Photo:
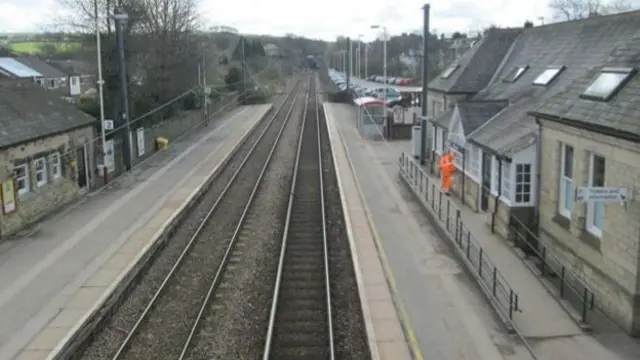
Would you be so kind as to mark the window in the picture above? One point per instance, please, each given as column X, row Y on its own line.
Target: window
column 495, row 176
column 548, row 75
column 523, row 184
column 52, row 83
column 476, row 158
column 595, row 210
column 565, row 202
column 515, row 73
column 506, row 181
column 54, row 165
column 458, row 158
column 434, row 137
column 449, row 71
column 41, row 171
column 438, row 140
column 74, row 81
column 443, row 140
column 607, row 84
column 21, row 176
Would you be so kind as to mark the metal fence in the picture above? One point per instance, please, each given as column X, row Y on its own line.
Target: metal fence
column 569, row 285
column 448, row 217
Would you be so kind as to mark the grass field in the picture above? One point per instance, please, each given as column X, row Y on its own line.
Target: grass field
column 34, row 47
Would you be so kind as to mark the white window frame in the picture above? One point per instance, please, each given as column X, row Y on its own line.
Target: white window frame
column 439, row 144
column 475, row 163
column 55, row 166
column 516, row 183
column 563, row 208
column 507, row 182
column 27, row 185
column 591, row 226
column 43, row 171
column 495, row 177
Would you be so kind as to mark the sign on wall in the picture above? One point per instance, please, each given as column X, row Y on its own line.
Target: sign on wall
column 601, row 194
column 140, row 138
column 109, row 157
column 8, row 197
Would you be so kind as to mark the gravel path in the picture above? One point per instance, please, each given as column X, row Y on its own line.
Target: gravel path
column 350, row 337
column 105, row 343
column 234, row 326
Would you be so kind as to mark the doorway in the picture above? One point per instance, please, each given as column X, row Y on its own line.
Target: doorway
column 81, row 161
column 485, row 188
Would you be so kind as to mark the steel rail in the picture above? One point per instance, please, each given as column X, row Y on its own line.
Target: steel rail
column 225, row 260
column 124, row 345
column 285, row 237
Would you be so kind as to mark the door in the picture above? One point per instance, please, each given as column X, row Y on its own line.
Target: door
column 81, row 161
column 485, row 189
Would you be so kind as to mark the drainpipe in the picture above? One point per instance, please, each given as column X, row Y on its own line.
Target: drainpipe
column 536, row 204
column 497, row 198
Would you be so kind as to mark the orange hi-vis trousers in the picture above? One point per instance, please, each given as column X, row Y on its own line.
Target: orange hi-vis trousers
column 447, row 168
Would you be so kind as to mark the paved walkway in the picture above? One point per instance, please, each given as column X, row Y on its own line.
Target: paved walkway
column 71, row 259
column 449, row 317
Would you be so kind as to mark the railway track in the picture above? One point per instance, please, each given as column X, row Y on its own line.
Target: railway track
column 300, row 323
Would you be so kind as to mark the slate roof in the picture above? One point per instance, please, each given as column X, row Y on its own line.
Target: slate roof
column 444, row 119
column 72, row 67
column 621, row 114
column 29, row 112
column 474, row 113
column 41, row 66
column 581, row 46
column 477, row 65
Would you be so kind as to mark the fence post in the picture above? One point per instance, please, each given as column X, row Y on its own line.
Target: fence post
column 440, row 206
column 458, row 235
column 448, row 213
column 510, row 304
column 495, row 280
column 468, row 244
column 585, row 295
column 480, row 262
column 562, row 283
column 433, row 197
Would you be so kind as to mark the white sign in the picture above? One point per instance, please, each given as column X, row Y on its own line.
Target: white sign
column 108, row 125
column 601, row 194
column 109, row 157
column 140, row 138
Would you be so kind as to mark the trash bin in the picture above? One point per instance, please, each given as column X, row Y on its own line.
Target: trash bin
column 161, row 143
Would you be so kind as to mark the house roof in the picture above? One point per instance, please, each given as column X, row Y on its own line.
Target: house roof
column 12, row 68
column 72, row 67
column 474, row 113
column 29, row 112
column 41, row 66
column 477, row 66
column 618, row 116
column 580, row 46
column 444, row 119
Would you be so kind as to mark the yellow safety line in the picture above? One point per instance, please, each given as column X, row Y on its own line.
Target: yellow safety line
column 404, row 318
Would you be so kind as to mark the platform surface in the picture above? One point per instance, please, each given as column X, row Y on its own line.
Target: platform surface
column 51, row 278
column 450, row 317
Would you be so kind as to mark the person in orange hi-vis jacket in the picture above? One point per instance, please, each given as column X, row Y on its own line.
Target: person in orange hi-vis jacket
column 447, row 168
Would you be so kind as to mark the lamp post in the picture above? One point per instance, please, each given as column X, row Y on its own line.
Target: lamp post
column 366, row 60
column 103, row 135
column 359, row 57
column 384, row 55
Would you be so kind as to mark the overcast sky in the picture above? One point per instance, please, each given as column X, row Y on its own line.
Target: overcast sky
column 324, row 19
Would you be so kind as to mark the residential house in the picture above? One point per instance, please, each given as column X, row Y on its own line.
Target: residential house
column 80, row 76
column 46, row 151
column 516, row 171
column 589, row 136
column 471, row 73
column 23, row 67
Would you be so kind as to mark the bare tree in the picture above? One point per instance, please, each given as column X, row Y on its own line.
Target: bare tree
column 582, row 9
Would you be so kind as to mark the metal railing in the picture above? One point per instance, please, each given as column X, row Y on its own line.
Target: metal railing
column 448, row 217
column 570, row 287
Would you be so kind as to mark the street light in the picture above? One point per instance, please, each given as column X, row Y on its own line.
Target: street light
column 358, row 57
column 101, row 95
column 384, row 55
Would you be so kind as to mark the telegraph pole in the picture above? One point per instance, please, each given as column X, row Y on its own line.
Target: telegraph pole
column 347, row 69
column 244, row 72
column 124, row 93
column 204, row 86
column 425, row 79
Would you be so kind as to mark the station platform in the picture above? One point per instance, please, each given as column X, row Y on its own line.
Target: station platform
column 54, row 278
column 450, row 317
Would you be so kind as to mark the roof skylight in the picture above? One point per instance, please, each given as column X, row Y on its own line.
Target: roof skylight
column 449, row 71
column 548, row 75
column 515, row 73
column 607, row 83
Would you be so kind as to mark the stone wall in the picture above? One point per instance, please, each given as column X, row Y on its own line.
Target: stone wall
column 609, row 265
column 43, row 200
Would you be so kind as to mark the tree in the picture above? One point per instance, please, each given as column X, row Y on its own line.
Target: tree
column 582, row 9
column 233, row 79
